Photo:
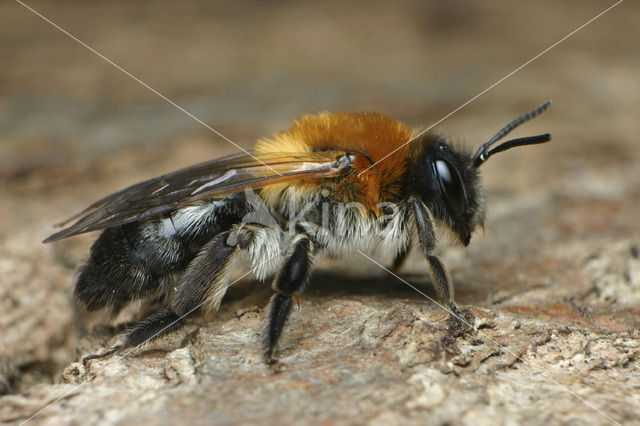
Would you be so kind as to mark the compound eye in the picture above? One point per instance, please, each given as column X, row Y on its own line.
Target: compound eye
column 451, row 187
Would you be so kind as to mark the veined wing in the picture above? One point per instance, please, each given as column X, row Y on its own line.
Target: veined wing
column 235, row 173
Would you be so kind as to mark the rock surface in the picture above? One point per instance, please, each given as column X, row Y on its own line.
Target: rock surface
column 553, row 283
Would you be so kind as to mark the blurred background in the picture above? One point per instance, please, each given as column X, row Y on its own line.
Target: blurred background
column 73, row 128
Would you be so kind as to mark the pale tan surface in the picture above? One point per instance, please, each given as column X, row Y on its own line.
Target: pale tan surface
column 553, row 278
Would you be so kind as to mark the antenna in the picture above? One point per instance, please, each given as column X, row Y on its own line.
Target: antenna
column 483, row 152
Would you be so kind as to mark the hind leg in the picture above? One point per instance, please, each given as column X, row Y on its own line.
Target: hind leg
column 203, row 281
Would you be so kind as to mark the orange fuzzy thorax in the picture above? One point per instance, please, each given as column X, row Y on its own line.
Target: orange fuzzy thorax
column 370, row 133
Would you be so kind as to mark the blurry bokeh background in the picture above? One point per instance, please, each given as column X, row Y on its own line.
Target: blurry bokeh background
column 249, row 68
column 74, row 128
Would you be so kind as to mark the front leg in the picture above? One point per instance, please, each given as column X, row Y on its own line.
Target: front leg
column 439, row 273
column 292, row 279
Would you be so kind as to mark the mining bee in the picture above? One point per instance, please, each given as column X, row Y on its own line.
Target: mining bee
column 332, row 184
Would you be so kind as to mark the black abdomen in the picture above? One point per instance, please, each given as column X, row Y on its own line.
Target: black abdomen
column 138, row 260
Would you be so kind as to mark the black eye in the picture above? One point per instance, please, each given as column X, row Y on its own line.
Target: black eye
column 451, row 187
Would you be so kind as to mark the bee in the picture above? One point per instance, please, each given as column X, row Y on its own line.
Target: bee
column 332, row 184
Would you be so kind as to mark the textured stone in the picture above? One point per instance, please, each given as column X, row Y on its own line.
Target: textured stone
column 553, row 283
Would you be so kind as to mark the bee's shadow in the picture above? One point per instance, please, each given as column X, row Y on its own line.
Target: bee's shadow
column 325, row 284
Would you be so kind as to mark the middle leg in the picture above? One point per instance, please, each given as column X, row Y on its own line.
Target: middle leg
column 292, row 279
column 400, row 258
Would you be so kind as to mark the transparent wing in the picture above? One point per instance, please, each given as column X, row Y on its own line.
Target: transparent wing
column 212, row 179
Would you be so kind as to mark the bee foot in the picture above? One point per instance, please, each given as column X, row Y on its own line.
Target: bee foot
column 460, row 321
column 268, row 357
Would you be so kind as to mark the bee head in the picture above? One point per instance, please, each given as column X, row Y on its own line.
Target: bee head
column 448, row 181
column 444, row 178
